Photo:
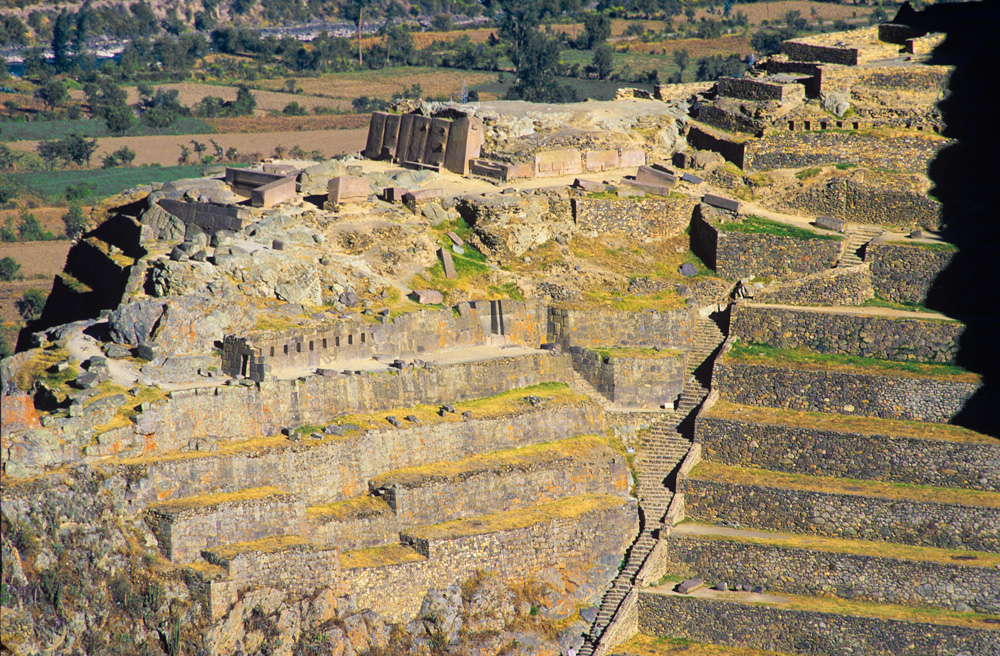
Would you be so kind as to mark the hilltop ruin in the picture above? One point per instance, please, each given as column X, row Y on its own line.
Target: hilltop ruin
column 527, row 379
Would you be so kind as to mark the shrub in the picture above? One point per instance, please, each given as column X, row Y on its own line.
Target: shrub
column 9, row 269
column 74, row 221
column 31, row 303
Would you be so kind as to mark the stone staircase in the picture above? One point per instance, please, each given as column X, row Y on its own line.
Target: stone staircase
column 857, row 236
column 663, row 447
column 581, row 385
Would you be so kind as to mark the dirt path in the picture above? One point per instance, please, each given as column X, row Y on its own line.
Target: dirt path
column 869, row 311
column 120, row 372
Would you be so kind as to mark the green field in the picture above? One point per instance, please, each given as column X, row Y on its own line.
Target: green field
column 101, row 182
column 92, row 128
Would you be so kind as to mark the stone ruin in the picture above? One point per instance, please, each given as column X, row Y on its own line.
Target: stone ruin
column 296, row 437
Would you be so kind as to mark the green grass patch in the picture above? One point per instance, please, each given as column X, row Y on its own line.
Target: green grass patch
column 94, row 128
column 507, row 290
column 805, row 174
column 96, row 184
column 931, row 246
column 863, row 425
column 711, row 471
column 751, row 353
column 753, row 224
column 844, row 166
column 858, row 547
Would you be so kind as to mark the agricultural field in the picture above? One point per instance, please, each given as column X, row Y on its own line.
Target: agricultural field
column 165, row 151
column 387, row 82
column 92, row 128
column 100, row 182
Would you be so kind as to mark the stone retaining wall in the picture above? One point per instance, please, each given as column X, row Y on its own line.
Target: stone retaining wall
column 183, row 534
column 356, row 532
column 848, row 576
column 840, row 286
column 239, row 412
column 905, row 273
column 632, row 381
column 865, row 202
column 943, row 463
column 645, row 219
column 735, row 255
column 860, row 394
column 341, row 468
column 256, row 355
column 920, row 523
column 797, row 150
column 397, row 590
column 867, row 335
column 617, row 328
column 805, row 632
column 443, row 499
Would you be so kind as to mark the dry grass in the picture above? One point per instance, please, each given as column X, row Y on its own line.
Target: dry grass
column 165, row 150
column 863, row 425
column 385, row 83
column 638, row 352
column 208, row 500
column 575, row 448
column 258, row 124
column 864, row 548
column 710, row 471
column 509, row 402
column 734, row 44
column 506, row 403
column 392, row 554
column 890, row 612
column 355, row 508
column 644, row 645
column 568, row 508
column 37, row 368
column 265, row 545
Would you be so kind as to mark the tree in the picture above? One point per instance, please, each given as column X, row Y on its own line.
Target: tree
column 51, row 93
column 7, row 158
column 441, row 23
column 517, row 23
column 119, row 118
column 596, row 30
column 60, row 42
column 683, row 59
column 768, row 42
column 74, row 221
column 125, row 155
column 31, row 304
column 536, row 73
column 245, row 102
column 185, row 154
column 30, row 229
column 9, row 269
column 603, row 61
column 716, row 66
